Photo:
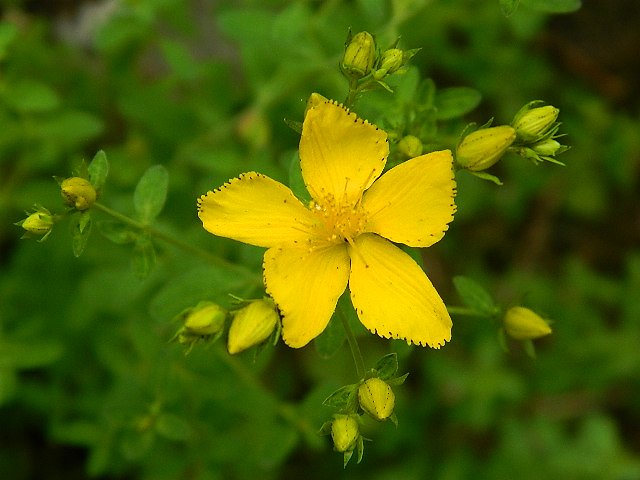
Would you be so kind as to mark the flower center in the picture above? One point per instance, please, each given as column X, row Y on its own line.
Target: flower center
column 338, row 222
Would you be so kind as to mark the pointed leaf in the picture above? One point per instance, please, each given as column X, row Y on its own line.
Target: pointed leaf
column 98, row 170
column 341, row 398
column 81, row 232
column 145, row 257
column 475, row 296
column 151, row 193
column 117, row 232
column 455, row 102
column 387, row 366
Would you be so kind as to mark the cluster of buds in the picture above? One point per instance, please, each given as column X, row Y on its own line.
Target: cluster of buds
column 372, row 397
column 38, row 223
column 536, row 133
column 251, row 325
column 362, row 58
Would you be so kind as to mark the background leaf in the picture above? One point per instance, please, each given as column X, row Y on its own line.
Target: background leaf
column 151, row 193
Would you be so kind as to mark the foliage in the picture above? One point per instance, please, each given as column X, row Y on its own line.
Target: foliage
column 177, row 97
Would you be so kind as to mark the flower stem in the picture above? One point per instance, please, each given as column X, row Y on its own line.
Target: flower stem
column 353, row 343
column 163, row 236
column 455, row 310
column 353, row 93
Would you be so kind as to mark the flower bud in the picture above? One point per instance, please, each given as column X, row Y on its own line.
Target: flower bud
column 205, row 319
column 531, row 124
column 252, row 325
column 483, row 148
column 344, row 432
column 78, row 192
column 410, row 146
column 359, row 55
column 548, row 147
column 392, row 60
column 524, row 324
column 38, row 223
column 377, row 398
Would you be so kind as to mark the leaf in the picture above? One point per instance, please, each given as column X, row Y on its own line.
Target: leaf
column 488, row 177
column 554, row 6
column 328, row 343
column 475, row 296
column 455, row 102
column 117, row 232
column 28, row 355
column 172, row 427
column 509, row 6
column 98, row 170
column 81, row 232
column 145, row 257
column 387, row 366
column 342, row 398
column 151, row 193
column 296, row 182
column 31, row 96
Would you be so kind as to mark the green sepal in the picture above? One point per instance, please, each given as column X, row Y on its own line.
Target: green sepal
column 98, row 170
column 325, row 429
column 474, row 296
column 344, row 399
column 360, row 448
column 347, row 456
column 387, row 366
column 294, row 125
column 151, row 193
column 488, row 177
column 81, row 229
column 394, row 382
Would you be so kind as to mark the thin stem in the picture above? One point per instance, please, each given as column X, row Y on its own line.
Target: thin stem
column 454, row 310
column 353, row 344
column 353, row 93
column 164, row 237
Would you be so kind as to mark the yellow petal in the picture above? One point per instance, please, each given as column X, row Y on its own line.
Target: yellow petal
column 413, row 202
column 340, row 154
column 392, row 295
column 257, row 210
column 306, row 286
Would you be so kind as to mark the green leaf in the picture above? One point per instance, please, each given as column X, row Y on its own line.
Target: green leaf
column 394, row 382
column 7, row 35
column 172, row 427
column 31, row 96
column 296, row 182
column 475, row 296
column 151, row 193
column 387, row 366
column 554, row 6
column 509, row 6
column 343, row 398
column 28, row 355
column 117, row 232
column 488, row 177
column 81, row 232
column 145, row 257
column 455, row 102
column 98, row 170
column 328, row 343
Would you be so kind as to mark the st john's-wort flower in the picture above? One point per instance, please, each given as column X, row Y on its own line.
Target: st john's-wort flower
column 344, row 235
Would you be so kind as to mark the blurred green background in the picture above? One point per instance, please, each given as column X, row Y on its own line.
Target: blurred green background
column 90, row 386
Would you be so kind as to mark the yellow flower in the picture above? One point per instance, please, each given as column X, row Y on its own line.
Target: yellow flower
column 345, row 234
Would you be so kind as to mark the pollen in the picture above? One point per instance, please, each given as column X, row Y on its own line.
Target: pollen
column 337, row 222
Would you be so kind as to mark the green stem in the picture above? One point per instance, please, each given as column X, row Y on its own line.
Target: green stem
column 454, row 310
column 353, row 344
column 164, row 237
column 353, row 93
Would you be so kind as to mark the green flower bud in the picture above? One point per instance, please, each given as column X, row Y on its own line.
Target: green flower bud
column 376, row 398
column 483, row 148
column 548, row 147
column 392, row 60
column 205, row 319
column 410, row 146
column 38, row 223
column 531, row 124
column 78, row 192
column 252, row 325
column 524, row 324
column 344, row 432
column 359, row 55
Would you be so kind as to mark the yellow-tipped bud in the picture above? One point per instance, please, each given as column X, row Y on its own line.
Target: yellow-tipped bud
column 205, row 319
column 78, row 192
column 38, row 223
column 532, row 124
column 252, row 325
column 410, row 146
column 548, row 147
column 344, row 432
column 483, row 148
column 377, row 398
column 524, row 324
column 359, row 55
